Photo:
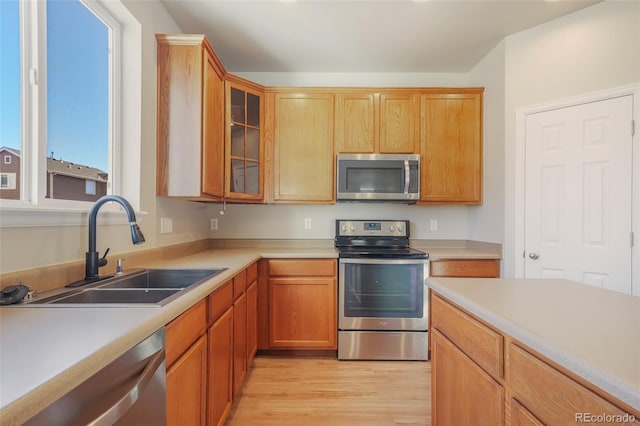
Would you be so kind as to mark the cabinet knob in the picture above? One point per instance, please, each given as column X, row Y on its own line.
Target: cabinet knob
column 534, row 255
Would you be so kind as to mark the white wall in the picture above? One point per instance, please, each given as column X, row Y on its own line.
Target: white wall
column 312, row 79
column 30, row 247
column 590, row 50
column 486, row 222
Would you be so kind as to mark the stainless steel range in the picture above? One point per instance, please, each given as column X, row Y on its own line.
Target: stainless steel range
column 382, row 293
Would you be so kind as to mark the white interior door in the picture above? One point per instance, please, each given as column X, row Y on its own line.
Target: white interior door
column 578, row 193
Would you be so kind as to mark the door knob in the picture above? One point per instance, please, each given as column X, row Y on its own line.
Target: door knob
column 534, row 255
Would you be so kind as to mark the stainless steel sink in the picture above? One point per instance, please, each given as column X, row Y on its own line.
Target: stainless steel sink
column 153, row 287
column 116, row 296
column 162, row 278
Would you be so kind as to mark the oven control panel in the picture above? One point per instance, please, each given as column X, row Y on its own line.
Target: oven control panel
column 377, row 228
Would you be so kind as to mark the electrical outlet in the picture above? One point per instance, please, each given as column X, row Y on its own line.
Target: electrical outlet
column 307, row 223
column 434, row 224
column 214, row 224
column 166, row 225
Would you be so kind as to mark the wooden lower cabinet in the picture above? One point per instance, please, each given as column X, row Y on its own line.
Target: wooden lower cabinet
column 519, row 387
column 252, row 322
column 208, row 351
column 186, row 363
column 551, row 396
column 465, row 268
column 302, row 308
column 239, row 342
column 520, row 416
column 220, row 374
column 461, row 392
column 187, row 387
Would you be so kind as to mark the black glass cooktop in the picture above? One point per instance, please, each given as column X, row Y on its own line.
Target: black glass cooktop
column 381, row 252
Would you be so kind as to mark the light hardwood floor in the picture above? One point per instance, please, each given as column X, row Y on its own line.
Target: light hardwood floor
column 324, row 391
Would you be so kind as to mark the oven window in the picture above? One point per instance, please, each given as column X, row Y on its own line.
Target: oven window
column 383, row 290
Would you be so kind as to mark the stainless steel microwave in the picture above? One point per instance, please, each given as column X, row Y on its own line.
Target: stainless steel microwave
column 378, row 177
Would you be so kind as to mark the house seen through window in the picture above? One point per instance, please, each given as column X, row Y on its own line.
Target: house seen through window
column 75, row 144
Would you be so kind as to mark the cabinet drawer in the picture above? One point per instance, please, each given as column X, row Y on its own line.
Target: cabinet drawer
column 478, row 268
column 252, row 273
column 239, row 284
column 550, row 395
column 184, row 330
column 220, row 301
column 483, row 345
column 302, row 268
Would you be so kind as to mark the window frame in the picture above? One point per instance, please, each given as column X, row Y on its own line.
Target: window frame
column 7, row 157
column 90, row 187
column 11, row 179
column 33, row 208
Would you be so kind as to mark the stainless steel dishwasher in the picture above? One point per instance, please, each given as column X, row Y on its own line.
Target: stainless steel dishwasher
column 129, row 391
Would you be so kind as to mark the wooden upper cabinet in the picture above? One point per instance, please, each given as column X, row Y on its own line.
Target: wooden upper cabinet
column 451, row 148
column 399, row 117
column 385, row 122
column 356, row 122
column 244, row 139
column 303, row 148
column 190, row 133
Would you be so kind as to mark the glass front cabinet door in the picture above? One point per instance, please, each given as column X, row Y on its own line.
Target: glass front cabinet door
column 244, row 140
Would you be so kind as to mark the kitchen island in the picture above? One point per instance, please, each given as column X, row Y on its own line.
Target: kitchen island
column 536, row 347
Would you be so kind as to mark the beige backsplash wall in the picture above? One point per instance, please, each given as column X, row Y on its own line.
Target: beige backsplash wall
column 287, row 221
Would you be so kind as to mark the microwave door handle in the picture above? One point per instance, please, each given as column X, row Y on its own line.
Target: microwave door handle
column 407, row 176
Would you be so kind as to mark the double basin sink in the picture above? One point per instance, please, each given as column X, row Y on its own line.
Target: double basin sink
column 154, row 287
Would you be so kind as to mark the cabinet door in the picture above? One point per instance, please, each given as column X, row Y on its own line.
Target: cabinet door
column 244, row 146
column 477, row 268
column 520, row 416
column 212, row 129
column 190, row 124
column 239, row 342
column 356, row 122
column 551, row 396
column 187, row 387
column 399, row 118
column 252, row 322
column 303, row 148
column 451, row 162
column 461, row 392
column 220, row 372
column 302, row 312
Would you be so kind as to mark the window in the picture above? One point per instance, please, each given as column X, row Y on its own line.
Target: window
column 62, row 102
column 90, row 187
column 7, row 181
column 7, row 159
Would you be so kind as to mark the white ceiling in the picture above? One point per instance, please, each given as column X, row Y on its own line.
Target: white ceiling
column 360, row 36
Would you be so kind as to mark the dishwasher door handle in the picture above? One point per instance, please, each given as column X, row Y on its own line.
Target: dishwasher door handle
column 117, row 410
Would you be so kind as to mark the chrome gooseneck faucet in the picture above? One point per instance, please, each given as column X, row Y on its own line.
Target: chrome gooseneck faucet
column 93, row 262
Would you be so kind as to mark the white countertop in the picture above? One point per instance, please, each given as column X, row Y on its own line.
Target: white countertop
column 47, row 351
column 592, row 332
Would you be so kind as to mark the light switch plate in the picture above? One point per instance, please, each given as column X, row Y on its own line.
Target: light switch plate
column 434, row 224
column 214, row 223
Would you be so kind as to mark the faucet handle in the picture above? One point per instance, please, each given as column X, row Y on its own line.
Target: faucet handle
column 119, row 269
column 103, row 260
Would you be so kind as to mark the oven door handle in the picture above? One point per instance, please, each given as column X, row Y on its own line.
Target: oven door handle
column 385, row 261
